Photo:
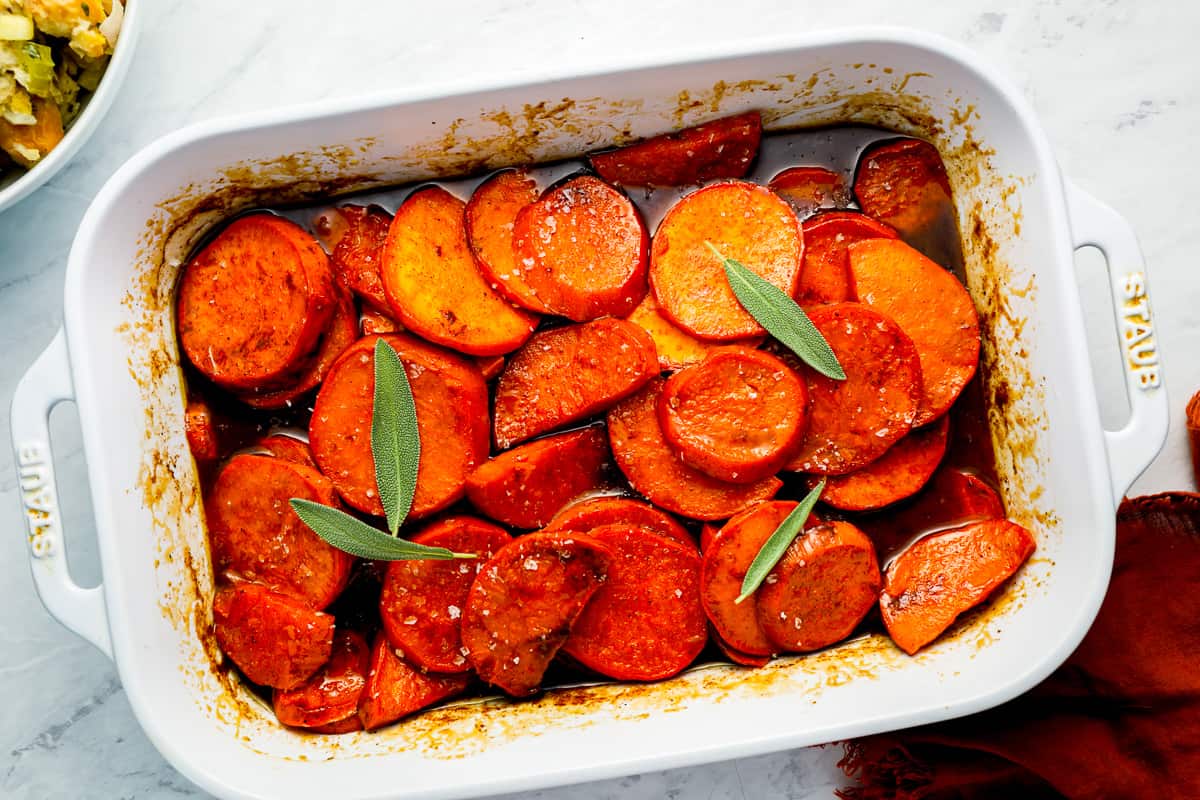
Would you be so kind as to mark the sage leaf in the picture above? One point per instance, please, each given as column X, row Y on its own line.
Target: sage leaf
column 357, row 538
column 395, row 439
column 781, row 316
column 778, row 543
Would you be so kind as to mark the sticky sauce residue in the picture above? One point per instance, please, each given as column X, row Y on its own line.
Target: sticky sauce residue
column 989, row 216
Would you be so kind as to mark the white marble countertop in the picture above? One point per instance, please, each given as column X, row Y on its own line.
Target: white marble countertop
column 1114, row 82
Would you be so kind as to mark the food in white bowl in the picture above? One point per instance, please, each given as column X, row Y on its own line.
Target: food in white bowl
column 53, row 53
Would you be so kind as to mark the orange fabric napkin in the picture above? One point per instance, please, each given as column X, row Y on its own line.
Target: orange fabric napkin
column 1120, row 719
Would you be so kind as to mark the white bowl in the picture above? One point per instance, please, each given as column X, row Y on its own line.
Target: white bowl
column 15, row 185
column 117, row 357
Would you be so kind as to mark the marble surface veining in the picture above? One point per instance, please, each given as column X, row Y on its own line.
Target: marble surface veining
column 1113, row 81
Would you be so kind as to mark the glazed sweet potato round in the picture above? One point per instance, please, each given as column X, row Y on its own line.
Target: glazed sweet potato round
column 738, row 416
column 653, row 468
column 255, row 535
column 743, row 221
column 422, row 601
column 253, row 303
column 598, row 511
column 434, row 285
column 899, row 473
column 855, row 421
column 342, row 331
column 822, row 588
column 582, row 250
column 452, row 419
column 646, row 622
column 491, row 214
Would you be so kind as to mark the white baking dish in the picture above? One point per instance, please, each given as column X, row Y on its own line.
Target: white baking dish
column 116, row 358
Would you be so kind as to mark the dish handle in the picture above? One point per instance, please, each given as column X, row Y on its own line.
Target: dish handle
column 1133, row 447
column 45, row 385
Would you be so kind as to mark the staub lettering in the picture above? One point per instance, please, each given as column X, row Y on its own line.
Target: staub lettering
column 1137, row 332
column 41, row 512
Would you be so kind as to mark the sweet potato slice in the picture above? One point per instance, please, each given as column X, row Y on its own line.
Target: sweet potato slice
column 825, row 584
column 903, row 183
column 931, row 583
column 395, row 688
column 566, row 374
column 646, row 622
column 653, row 468
column 524, row 601
column 931, row 306
column 825, row 277
column 331, row 695
column 255, row 536
column 422, row 601
column 708, row 532
column 598, row 511
column 723, row 148
column 725, row 562
column 491, row 214
column 809, row 189
column 899, row 473
column 452, row 405
column 358, row 252
column 743, row 221
column 201, row 431
column 435, row 288
column 275, row 640
column 738, row 416
column 676, row 347
column 853, row 422
column 342, row 331
column 254, row 301
column 582, row 250
column 953, row 498
column 527, row 485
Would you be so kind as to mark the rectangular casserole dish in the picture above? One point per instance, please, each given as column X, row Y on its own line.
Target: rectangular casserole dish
column 116, row 357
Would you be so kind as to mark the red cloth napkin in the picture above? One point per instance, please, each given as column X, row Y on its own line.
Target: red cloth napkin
column 1119, row 720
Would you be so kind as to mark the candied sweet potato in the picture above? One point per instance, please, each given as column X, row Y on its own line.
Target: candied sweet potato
column 646, row 622
column 723, row 148
column 433, row 283
column 254, row 301
column 931, row 583
column 739, row 415
column 899, row 473
column 854, row 421
column 642, row 453
column 931, row 306
column 563, row 375
column 524, row 601
column 491, row 214
column 452, row 419
column 581, row 250
column 743, row 221
column 525, row 487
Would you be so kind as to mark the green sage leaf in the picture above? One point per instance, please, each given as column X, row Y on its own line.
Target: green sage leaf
column 781, row 316
column 395, row 439
column 357, row 538
column 778, row 543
